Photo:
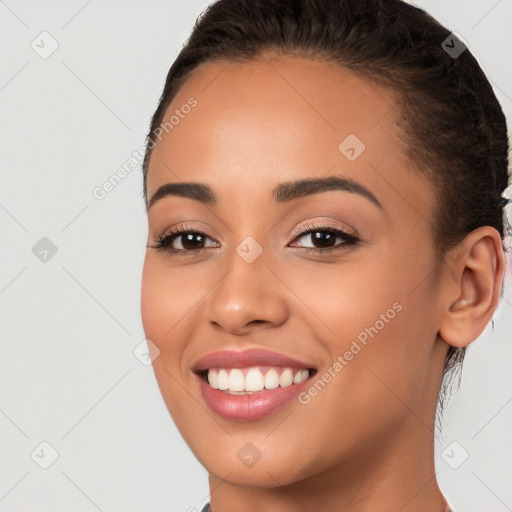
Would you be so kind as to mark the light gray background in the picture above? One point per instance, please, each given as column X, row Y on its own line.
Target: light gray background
column 68, row 374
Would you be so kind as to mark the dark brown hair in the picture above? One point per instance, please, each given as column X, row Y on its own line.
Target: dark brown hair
column 451, row 122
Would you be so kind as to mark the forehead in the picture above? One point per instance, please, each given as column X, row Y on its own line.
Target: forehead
column 279, row 118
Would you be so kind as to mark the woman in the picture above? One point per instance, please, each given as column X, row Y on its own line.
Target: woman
column 323, row 181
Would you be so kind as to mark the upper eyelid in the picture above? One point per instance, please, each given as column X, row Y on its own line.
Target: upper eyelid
column 325, row 226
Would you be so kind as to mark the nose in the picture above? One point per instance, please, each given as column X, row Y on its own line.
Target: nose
column 249, row 296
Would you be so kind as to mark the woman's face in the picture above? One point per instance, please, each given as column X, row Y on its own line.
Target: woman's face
column 360, row 321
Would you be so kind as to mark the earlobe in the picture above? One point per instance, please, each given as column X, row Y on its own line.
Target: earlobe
column 476, row 280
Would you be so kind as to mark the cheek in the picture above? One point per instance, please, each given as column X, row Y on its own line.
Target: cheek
column 373, row 318
column 167, row 299
column 172, row 310
column 344, row 302
column 164, row 315
column 154, row 301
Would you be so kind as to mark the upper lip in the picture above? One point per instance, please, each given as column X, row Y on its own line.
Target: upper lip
column 247, row 358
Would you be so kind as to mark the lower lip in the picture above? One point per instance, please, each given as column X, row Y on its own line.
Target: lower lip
column 251, row 406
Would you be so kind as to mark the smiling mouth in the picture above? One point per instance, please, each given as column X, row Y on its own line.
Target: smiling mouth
column 254, row 379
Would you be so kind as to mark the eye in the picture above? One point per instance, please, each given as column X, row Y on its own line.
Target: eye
column 324, row 237
column 182, row 240
column 186, row 241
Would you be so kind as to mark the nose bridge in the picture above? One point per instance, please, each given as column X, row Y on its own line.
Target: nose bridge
column 248, row 292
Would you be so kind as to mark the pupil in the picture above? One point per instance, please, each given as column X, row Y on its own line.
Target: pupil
column 189, row 239
column 324, row 236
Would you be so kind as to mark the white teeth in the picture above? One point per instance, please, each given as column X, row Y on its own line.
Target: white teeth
column 271, row 379
column 222, row 380
column 236, row 380
column 213, row 379
column 253, row 379
column 286, row 378
column 300, row 376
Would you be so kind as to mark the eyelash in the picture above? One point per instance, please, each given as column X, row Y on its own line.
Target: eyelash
column 164, row 242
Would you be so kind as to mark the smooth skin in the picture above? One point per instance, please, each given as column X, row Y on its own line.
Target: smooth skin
column 365, row 442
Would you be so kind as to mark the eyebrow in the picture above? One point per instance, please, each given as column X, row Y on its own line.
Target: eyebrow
column 282, row 193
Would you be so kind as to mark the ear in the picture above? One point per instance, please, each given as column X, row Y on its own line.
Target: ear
column 474, row 272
